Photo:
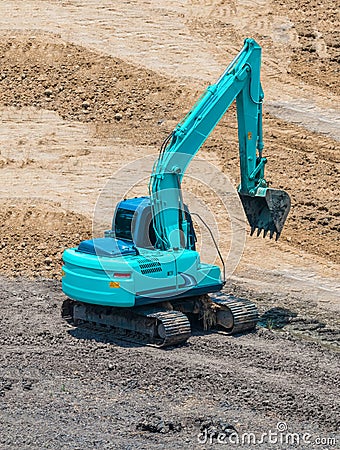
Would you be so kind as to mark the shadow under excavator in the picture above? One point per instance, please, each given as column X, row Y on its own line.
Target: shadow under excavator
column 85, row 332
column 276, row 318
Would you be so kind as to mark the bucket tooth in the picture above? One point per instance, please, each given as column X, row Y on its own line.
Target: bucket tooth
column 265, row 233
column 277, row 236
column 271, row 234
column 268, row 212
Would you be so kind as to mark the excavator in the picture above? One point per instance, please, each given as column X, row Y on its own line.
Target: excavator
column 144, row 279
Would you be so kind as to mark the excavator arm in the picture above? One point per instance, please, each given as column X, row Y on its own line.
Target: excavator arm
column 266, row 209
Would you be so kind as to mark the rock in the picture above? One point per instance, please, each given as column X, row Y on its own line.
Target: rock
column 27, row 385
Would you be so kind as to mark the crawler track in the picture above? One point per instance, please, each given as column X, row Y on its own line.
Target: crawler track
column 148, row 326
column 173, row 327
column 159, row 326
column 244, row 313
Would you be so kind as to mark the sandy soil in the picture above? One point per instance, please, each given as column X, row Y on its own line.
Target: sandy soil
column 88, row 87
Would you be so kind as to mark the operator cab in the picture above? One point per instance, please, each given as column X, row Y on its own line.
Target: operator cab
column 133, row 222
column 132, row 228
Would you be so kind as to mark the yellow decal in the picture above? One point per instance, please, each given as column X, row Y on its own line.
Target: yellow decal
column 114, row 284
column 249, row 135
column 62, row 273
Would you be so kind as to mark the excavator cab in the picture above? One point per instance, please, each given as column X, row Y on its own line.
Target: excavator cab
column 133, row 222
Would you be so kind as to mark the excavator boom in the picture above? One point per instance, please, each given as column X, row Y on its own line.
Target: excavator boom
column 266, row 209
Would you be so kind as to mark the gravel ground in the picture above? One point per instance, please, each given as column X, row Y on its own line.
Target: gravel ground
column 68, row 388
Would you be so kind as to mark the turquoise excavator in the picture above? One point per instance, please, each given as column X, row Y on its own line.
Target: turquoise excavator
column 144, row 279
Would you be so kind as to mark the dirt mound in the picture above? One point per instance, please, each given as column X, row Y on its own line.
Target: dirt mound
column 85, row 86
column 33, row 237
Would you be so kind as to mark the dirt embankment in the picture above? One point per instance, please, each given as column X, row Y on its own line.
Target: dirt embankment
column 316, row 55
column 85, row 86
column 33, row 237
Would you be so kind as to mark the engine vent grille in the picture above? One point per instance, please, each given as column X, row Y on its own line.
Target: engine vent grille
column 149, row 265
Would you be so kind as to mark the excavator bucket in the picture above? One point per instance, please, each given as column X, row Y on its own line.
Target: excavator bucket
column 267, row 213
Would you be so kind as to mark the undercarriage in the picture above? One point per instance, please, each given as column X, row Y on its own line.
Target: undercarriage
column 167, row 323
